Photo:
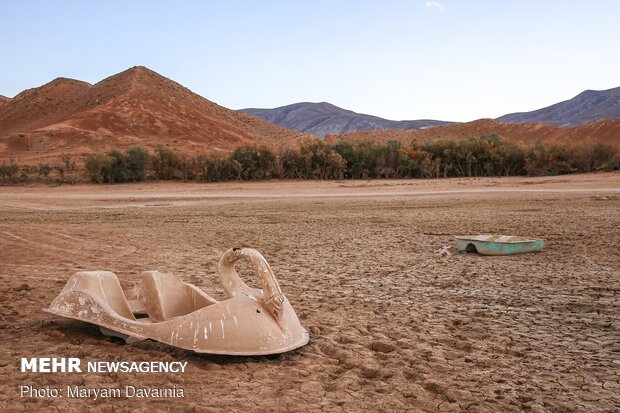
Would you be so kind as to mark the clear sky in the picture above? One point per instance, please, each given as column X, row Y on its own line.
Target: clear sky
column 446, row 59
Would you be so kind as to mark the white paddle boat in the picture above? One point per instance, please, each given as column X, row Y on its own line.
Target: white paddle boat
column 248, row 322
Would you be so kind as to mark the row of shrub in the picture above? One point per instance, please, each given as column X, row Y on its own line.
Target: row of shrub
column 475, row 156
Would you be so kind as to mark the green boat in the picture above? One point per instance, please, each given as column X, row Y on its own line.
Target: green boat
column 498, row 244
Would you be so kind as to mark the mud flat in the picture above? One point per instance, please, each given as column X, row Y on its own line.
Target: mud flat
column 393, row 326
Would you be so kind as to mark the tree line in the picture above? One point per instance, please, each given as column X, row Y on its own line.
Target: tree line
column 476, row 156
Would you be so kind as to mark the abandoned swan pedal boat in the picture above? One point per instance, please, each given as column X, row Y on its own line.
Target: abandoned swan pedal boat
column 498, row 244
column 249, row 322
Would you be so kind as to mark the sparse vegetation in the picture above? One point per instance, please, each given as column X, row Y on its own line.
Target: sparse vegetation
column 43, row 170
column 474, row 156
column 69, row 168
column 8, row 171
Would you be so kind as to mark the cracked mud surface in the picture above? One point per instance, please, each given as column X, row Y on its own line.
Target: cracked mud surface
column 393, row 327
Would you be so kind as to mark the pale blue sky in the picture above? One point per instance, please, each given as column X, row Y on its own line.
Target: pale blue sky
column 453, row 60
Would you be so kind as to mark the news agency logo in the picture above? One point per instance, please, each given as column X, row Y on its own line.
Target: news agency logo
column 74, row 365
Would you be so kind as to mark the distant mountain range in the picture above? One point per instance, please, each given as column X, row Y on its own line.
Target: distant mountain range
column 323, row 118
column 586, row 107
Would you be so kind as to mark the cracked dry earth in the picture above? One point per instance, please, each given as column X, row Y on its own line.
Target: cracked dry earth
column 393, row 326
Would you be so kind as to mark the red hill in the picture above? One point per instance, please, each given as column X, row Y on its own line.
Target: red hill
column 134, row 107
column 42, row 106
column 607, row 131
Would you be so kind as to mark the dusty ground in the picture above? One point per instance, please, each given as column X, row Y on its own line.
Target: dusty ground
column 393, row 326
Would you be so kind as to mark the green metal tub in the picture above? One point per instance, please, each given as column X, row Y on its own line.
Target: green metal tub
column 498, row 244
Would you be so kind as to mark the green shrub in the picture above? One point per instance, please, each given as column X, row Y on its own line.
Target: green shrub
column 165, row 163
column 138, row 160
column 256, row 162
column 215, row 168
column 98, row 167
column 8, row 171
column 43, row 170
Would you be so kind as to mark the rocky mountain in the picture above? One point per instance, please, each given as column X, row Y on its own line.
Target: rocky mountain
column 134, row 107
column 586, row 107
column 323, row 118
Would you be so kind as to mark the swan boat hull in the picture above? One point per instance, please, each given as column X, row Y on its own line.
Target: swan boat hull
column 250, row 322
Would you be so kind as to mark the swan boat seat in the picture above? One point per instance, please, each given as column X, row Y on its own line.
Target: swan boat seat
column 249, row 321
column 164, row 296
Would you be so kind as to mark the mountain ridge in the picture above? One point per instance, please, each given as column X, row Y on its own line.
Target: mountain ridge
column 324, row 118
column 586, row 107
